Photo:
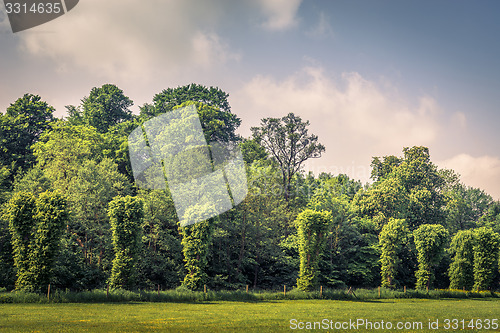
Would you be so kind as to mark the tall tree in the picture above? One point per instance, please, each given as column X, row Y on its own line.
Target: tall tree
column 104, row 107
column 486, row 251
column 288, row 142
column 21, row 127
column 312, row 227
column 36, row 225
column 125, row 216
column 196, row 239
column 392, row 237
column 430, row 240
column 461, row 270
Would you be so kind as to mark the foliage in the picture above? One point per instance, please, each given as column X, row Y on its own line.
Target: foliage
column 461, row 269
column 104, row 107
column 486, row 252
column 393, row 235
column 36, row 226
column 125, row 215
column 196, row 240
column 21, row 126
column 289, row 144
column 312, row 228
column 430, row 240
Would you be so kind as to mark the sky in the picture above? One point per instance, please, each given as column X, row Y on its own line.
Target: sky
column 371, row 77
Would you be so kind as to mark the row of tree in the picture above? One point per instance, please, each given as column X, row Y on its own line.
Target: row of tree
column 71, row 178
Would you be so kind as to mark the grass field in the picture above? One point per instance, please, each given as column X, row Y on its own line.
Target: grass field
column 268, row 316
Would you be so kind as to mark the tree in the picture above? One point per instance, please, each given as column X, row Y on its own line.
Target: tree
column 21, row 127
column 125, row 216
column 289, row 144
column 312, row 228
column 62, row 150
column 51, row 217
column 36, row 226
column 217, row 121
column 20, row 213
column 391, row 238
column 196, row 239
column 430, row 240
column 104, row 107
column 486, row 250
column 461, row 270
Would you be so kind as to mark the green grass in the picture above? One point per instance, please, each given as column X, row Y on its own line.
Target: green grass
column 183, row 295
column 253, row 316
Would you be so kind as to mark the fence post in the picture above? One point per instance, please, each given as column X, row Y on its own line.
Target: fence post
column 247, row 289
column 158, row 290
column 284, row 290
column 321, row 291
column 379, row 292
column 205, row 288
column 48, row 293
column 405, row 289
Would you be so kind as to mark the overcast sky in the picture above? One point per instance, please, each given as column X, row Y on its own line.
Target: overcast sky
column 371, row 76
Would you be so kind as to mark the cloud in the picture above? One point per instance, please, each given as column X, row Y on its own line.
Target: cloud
column 482, row 172
column 121, row 38
column 354, row 118
column 280, row 14
column 322, row 29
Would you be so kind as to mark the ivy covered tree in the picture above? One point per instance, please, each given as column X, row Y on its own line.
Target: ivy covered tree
column 196, row 240
column 461, row 271
column 430, row 240
column 20, row 213
column 486, row 250
column 36, row 225
column 312, row 227
column 391, row 238
column 125, row 216
column 51, row 216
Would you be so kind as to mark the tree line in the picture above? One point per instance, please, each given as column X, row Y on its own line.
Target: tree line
column 72, row 216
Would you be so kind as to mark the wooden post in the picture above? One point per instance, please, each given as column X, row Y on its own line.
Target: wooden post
column 379, row 292
column 321, row 291
column 158, row 290
column 107, row 291
column 284, row 290
column 405, row 289
column 48, row 293
column 247, row 289
column 205, row 288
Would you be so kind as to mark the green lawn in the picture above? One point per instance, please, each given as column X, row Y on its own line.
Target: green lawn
column 237, row 316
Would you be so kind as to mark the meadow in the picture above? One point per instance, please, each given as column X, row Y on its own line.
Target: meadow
column 252, row 316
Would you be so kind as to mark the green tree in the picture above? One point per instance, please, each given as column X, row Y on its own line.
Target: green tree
column 391, row 238
column 196, row 239
column 51, row 217
column 217, row 121
column 486, row 250
column 125, row 216
column 20, row 213
column 104, row 107
column 289, row 144
column 312, row 228
column 430, row 240
column 21, row 126
column 461, row 270
column 36, row 226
